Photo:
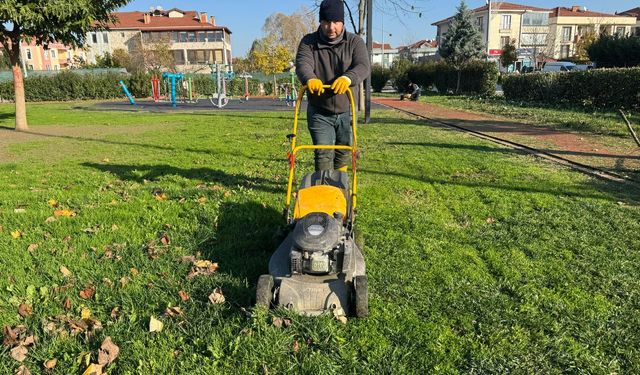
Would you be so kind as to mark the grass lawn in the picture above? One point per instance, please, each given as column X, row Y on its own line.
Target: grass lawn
column 480, row 259
column 583, row 120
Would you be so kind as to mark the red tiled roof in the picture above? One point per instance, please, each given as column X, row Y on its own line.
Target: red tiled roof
column 420, row 43
column 501, row 6
column 635, row 12
column 379, row 45
column 568, row 12
column 190, row 21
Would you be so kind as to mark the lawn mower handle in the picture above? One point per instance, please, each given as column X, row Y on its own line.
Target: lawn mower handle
column 294, row 150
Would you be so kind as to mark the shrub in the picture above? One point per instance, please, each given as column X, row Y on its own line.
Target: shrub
column 399, row 76
column 601, row 88
column 379, row 77
column 615, row 51
column 477, row 78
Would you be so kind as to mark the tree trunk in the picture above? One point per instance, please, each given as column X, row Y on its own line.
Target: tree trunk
column 275, row 87
column 458, row 84
column 18, row 88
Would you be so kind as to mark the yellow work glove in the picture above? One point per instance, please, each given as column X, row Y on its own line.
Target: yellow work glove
column 315, row 86
column 341, row 85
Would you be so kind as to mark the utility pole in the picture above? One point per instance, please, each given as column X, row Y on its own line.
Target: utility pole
column 488, row 29
column 367, row 83
column 382, row 46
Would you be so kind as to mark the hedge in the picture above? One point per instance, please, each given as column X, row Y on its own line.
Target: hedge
column 379, row 77
column 68, row 85
column 600, row 88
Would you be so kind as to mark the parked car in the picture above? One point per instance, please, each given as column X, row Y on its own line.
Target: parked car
column 558, row 66
column 584, row 67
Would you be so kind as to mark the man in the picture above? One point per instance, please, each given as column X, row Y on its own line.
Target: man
column 331, row 56
column 413, row 92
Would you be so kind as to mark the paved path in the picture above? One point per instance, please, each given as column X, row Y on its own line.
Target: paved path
column 612, row 154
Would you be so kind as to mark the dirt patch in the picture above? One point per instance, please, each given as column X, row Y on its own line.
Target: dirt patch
column 608, row 153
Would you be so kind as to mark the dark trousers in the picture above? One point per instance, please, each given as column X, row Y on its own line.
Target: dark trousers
column 330, row 129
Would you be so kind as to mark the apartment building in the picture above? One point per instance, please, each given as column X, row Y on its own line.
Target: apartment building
column 383, row 54
column 635, row 12
column 547, row 33
column 193, row 37
column 56, row 56
column 419, row 51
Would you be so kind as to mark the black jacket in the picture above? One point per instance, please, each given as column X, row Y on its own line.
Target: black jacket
column 318, row 59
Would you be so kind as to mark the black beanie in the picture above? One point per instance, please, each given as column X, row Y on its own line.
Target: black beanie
column 332, row 10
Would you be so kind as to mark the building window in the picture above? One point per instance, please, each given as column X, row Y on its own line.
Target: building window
column 192, row 36
column 30, row 67
column 202, row 36
column 620, row 30
column 535, row 19
column 506, row 22
column 94, row 37
column 198, row 56
column 566, row 34
column 48, row 67
column 121, row 35
column 56, row 67
column 564, row 51
column 29, row 54
column 182, row 36
column 504, row 40
column 214, row 36
column 178, row 57
column 105, row 37
column 480, row 23
column 534, row 39
column 46, row 53
column 54, row 54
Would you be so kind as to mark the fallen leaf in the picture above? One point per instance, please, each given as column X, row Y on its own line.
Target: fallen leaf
column 134, row 271
column 155, row 325
column 19, row 353
column 52, row 202
column 114, row 228
column 65, row 271
column 287, row 322
column 227, row 194
column 25, row 310
column 64, row 213
column 277, row 322
column 93, row 369
column 173, row 311
column 106, row 160
column 491, row 220
column 51, row 363
column 296, row 346
column 124, row 281
column 188, row 258
column 202, row 200
column 161, row 197
column 50, row 219
column 67, row 304
column 216, row 297
column 32, row 247
column 108, row 352
column 165, row 240
column 115, row 312
column 202, row 267
column 88, row 292
column 66, row 239
column 10, row 336
column 29, row 340
column 183, row 295
column 85, row 314
column 22, row 370
column 107, row 281
column 16, row 234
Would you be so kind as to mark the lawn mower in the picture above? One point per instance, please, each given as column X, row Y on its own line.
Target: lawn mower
column 318, row 267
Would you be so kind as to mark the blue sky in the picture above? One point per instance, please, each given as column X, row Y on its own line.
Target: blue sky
column 245, row 17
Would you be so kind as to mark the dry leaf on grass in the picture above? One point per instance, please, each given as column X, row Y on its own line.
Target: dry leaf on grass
column 134, row 271
column 51, row 363
column 32, row 247
column 165, row 240
column 115, row 312
column 93, row 369
column 52, row 202
column 108, row 352
column 124, row 281
column 183, row 295
column 85, row 314
column 202, row 267
column 216, row 297
column 173, row 311
column 22, row 370
column 16, row 234
column 19, row 353
column 296, row 346
column 64, row 213
column 25, row 310
column 65, row 271
column 67, row 304
column 10, row 336
column 50, row 220
column 88, row 292
column 155, row 325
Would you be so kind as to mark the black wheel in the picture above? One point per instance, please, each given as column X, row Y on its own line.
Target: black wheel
column 361, row 300
column 264, row 291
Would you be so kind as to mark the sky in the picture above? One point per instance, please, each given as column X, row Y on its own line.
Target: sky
column 245, row 17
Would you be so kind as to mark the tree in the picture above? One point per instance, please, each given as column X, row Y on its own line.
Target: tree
column 47, row 21
column 582, row 47
column 270, row 58
column 463, row 42
column 288, row 30
column 509, row 54
column 615, row 51
column 121, row 58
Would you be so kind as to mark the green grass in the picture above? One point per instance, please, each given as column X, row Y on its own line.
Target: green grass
column 480, row 259
column 579, row 119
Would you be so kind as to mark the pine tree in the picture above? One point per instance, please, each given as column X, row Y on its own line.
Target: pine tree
column 509, row 54
column 463, row 41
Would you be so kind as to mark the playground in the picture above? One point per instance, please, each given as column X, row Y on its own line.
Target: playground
column 258, row 104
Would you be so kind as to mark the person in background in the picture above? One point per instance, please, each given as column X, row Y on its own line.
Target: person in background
column 413, row 92
column 331, row 56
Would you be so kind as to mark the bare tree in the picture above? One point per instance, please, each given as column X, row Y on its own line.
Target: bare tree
column 288, row 30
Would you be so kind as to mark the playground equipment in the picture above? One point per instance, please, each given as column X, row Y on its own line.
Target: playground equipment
column 173, row 78
column 220, row 98
column 319, row 267
column 246, row 77
column 125, row 89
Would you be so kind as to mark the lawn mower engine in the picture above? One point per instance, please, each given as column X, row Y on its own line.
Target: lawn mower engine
column 318, row 245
